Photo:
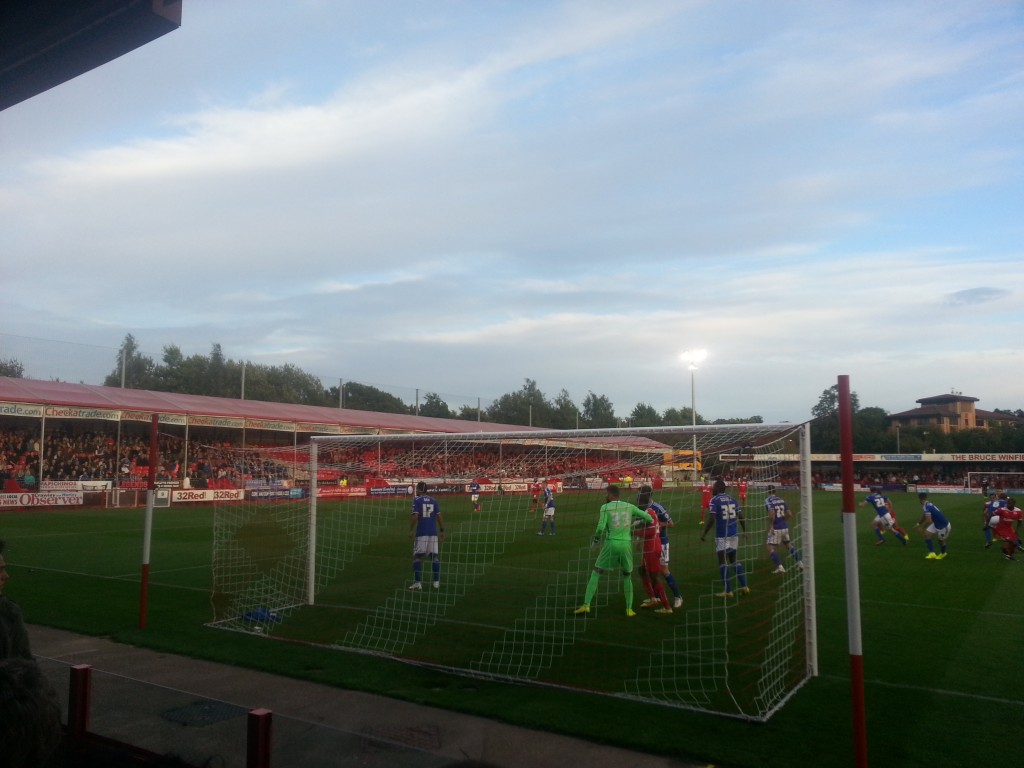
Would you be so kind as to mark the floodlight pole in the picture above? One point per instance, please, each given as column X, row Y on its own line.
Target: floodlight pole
column 693, row 357
column 860, row 737
column 693, row 417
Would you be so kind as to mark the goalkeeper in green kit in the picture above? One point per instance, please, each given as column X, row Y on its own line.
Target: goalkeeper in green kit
column 616, row 526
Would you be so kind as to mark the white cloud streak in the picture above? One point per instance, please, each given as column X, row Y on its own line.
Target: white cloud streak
column 569, row 193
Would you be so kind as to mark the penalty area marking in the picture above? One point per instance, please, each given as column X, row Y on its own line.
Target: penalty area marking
column 925, row 689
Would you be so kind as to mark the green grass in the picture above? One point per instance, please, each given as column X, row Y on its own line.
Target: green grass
column 937, row 635
column 506, row 604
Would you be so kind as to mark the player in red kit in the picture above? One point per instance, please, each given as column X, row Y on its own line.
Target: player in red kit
column 1005, row 525
column 651, row 569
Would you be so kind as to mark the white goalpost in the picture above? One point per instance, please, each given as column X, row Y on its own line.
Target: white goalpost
column 326, row 557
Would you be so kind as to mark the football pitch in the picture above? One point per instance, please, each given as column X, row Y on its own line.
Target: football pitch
column 940, row 637
column 504, row 605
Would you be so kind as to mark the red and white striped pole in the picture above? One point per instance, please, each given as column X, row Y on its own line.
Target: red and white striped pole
column 860, row 734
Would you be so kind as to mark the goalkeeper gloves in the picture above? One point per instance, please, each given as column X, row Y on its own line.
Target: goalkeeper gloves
column 596, row 540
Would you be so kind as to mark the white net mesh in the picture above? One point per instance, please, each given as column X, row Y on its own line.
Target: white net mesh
column 510, row 579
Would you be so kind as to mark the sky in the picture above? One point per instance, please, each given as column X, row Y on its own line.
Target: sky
column 455, row 197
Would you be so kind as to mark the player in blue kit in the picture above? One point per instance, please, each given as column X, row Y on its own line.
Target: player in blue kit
column 725, row 515
column 426, row 528
column 938, row 527
column 778, row 534
column 885, row 518
column 995, row 504
column 549, row 511
column 664, row 519
column 474, row 495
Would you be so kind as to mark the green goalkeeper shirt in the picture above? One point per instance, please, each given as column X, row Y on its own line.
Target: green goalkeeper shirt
column 617, row 519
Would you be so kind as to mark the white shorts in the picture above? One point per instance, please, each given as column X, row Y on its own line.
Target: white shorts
column 664, row 553
column 725, row 543
column 425, row 546
column 549, row 512
column 777, row 536
column 475, row 497
column 885, row 521
column 940, row 533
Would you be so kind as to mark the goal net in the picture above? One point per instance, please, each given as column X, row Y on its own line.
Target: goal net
column 325, row 555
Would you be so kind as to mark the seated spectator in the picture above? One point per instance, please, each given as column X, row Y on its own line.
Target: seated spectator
column 13, row 635
column 30, row 727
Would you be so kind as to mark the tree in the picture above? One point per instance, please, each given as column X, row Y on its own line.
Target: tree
column 564, row 413
column 11, row 368
column 470, row 413
column 434, row 406
column 967, row 441
column 218, row 376
column 870, row 426
column 676, row 417
column 998, row 439
column 527, row 407
column 362, row 397
column 828, row 403
column 132, row 368
column 825, row 427
column 283, row 384
column 187, row 375
column 871, row 430
column 168, row 375
column 644, row 415
column 598, row 411
column 738, row 420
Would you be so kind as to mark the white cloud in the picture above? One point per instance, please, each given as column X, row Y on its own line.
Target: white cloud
column 455, row 199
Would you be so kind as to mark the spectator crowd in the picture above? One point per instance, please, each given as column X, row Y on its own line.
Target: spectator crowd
column 90, row 451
